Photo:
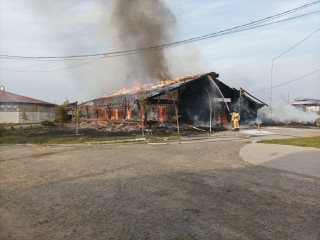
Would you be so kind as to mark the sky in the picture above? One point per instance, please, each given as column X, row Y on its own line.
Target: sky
column 78, row 27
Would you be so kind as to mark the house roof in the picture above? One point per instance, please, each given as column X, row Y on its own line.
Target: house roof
column 8, row 97
column 306, row 101
column 154, row 90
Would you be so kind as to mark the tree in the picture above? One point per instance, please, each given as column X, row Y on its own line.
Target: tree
column 142, row 105
column 25, row 117
column 173, row 97
column 61, row 115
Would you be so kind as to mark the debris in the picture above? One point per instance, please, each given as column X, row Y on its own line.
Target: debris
column 196, row 128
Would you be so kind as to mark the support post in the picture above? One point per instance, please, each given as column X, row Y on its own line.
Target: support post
column 77, row 119
column 240, row 101
column 210, row 107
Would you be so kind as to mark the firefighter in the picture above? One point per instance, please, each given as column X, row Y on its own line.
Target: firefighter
column 235, row 119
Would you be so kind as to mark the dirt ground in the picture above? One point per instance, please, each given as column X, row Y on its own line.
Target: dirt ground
column 142, row 191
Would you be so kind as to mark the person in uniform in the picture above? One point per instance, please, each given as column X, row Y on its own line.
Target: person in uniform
column 235, row 119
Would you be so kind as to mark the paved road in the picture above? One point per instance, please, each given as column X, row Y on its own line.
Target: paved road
column 200, row 190
column 303, row 160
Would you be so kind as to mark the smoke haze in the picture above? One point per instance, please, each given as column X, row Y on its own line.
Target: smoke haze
column 284, row 113
column 71, row 27
column 140, row 24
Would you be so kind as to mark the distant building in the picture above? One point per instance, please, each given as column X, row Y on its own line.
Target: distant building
column 307, row 104
column 15, row 108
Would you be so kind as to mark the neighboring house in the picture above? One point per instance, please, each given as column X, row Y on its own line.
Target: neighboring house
column 194, row 98
column 15, row 108
column 307, row 104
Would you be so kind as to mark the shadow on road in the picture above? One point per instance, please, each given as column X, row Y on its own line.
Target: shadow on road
column 188, row 196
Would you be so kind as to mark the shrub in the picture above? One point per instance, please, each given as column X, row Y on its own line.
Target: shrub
column 1, row 130
column 47, row 123
column 61, row 115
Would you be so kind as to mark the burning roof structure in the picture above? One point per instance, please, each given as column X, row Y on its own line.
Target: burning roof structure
column 194, row 99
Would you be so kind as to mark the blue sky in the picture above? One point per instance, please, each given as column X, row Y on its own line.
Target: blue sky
column 41, row 28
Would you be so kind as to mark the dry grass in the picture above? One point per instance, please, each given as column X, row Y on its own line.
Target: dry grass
column 52, row 135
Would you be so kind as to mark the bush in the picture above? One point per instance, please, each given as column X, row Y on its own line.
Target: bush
column 317, row 122
column 47, row 123
column 61, row 115
column 1, row 130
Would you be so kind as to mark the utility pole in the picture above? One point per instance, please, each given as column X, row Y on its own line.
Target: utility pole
column 240, row 101
column 210, row 108
column 288, row 50
column 77, row 119
column 271, row 86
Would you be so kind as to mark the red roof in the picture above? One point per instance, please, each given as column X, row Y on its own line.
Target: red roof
column 8, row 97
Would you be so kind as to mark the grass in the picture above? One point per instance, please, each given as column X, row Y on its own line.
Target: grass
column 45, row 135
column 303, row 142
column 41, row 138
column 56, row 140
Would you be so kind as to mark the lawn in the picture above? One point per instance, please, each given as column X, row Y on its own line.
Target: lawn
column 303, row 142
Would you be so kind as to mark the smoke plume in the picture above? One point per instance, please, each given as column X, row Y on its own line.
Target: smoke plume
column 141, row 24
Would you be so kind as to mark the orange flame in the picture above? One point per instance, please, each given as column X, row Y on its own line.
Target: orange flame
column 150, row 86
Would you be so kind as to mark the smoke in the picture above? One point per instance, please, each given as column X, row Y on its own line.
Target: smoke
column 284, row 113
column 141, row 24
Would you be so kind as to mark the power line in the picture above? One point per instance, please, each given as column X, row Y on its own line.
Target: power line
column 128, row 53
column 293, row 80
column 287, row 82
column 273, row 60
column 251, row 25
column 51, row 70
column 297, row 44
column 123, row 54
column 136, row 51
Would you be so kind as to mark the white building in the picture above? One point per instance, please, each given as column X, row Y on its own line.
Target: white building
column 307, row 104
column 15, row 108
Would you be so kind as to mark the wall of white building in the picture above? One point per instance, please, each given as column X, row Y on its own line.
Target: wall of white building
column 16, row 114
column 36, row 117
column 9, row 117
column 313, row 109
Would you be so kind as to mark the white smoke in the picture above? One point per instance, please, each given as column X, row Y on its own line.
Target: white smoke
column 286, row 113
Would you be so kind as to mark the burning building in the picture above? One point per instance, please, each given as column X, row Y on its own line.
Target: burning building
column 198, row 99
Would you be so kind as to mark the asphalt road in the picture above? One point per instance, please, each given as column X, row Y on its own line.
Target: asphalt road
column 202, row 190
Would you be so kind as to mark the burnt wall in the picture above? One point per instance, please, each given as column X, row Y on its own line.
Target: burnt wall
column 194, row 102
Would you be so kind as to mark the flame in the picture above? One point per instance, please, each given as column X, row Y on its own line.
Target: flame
column 162, row 113
column 150, row 86
column 115, row 114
